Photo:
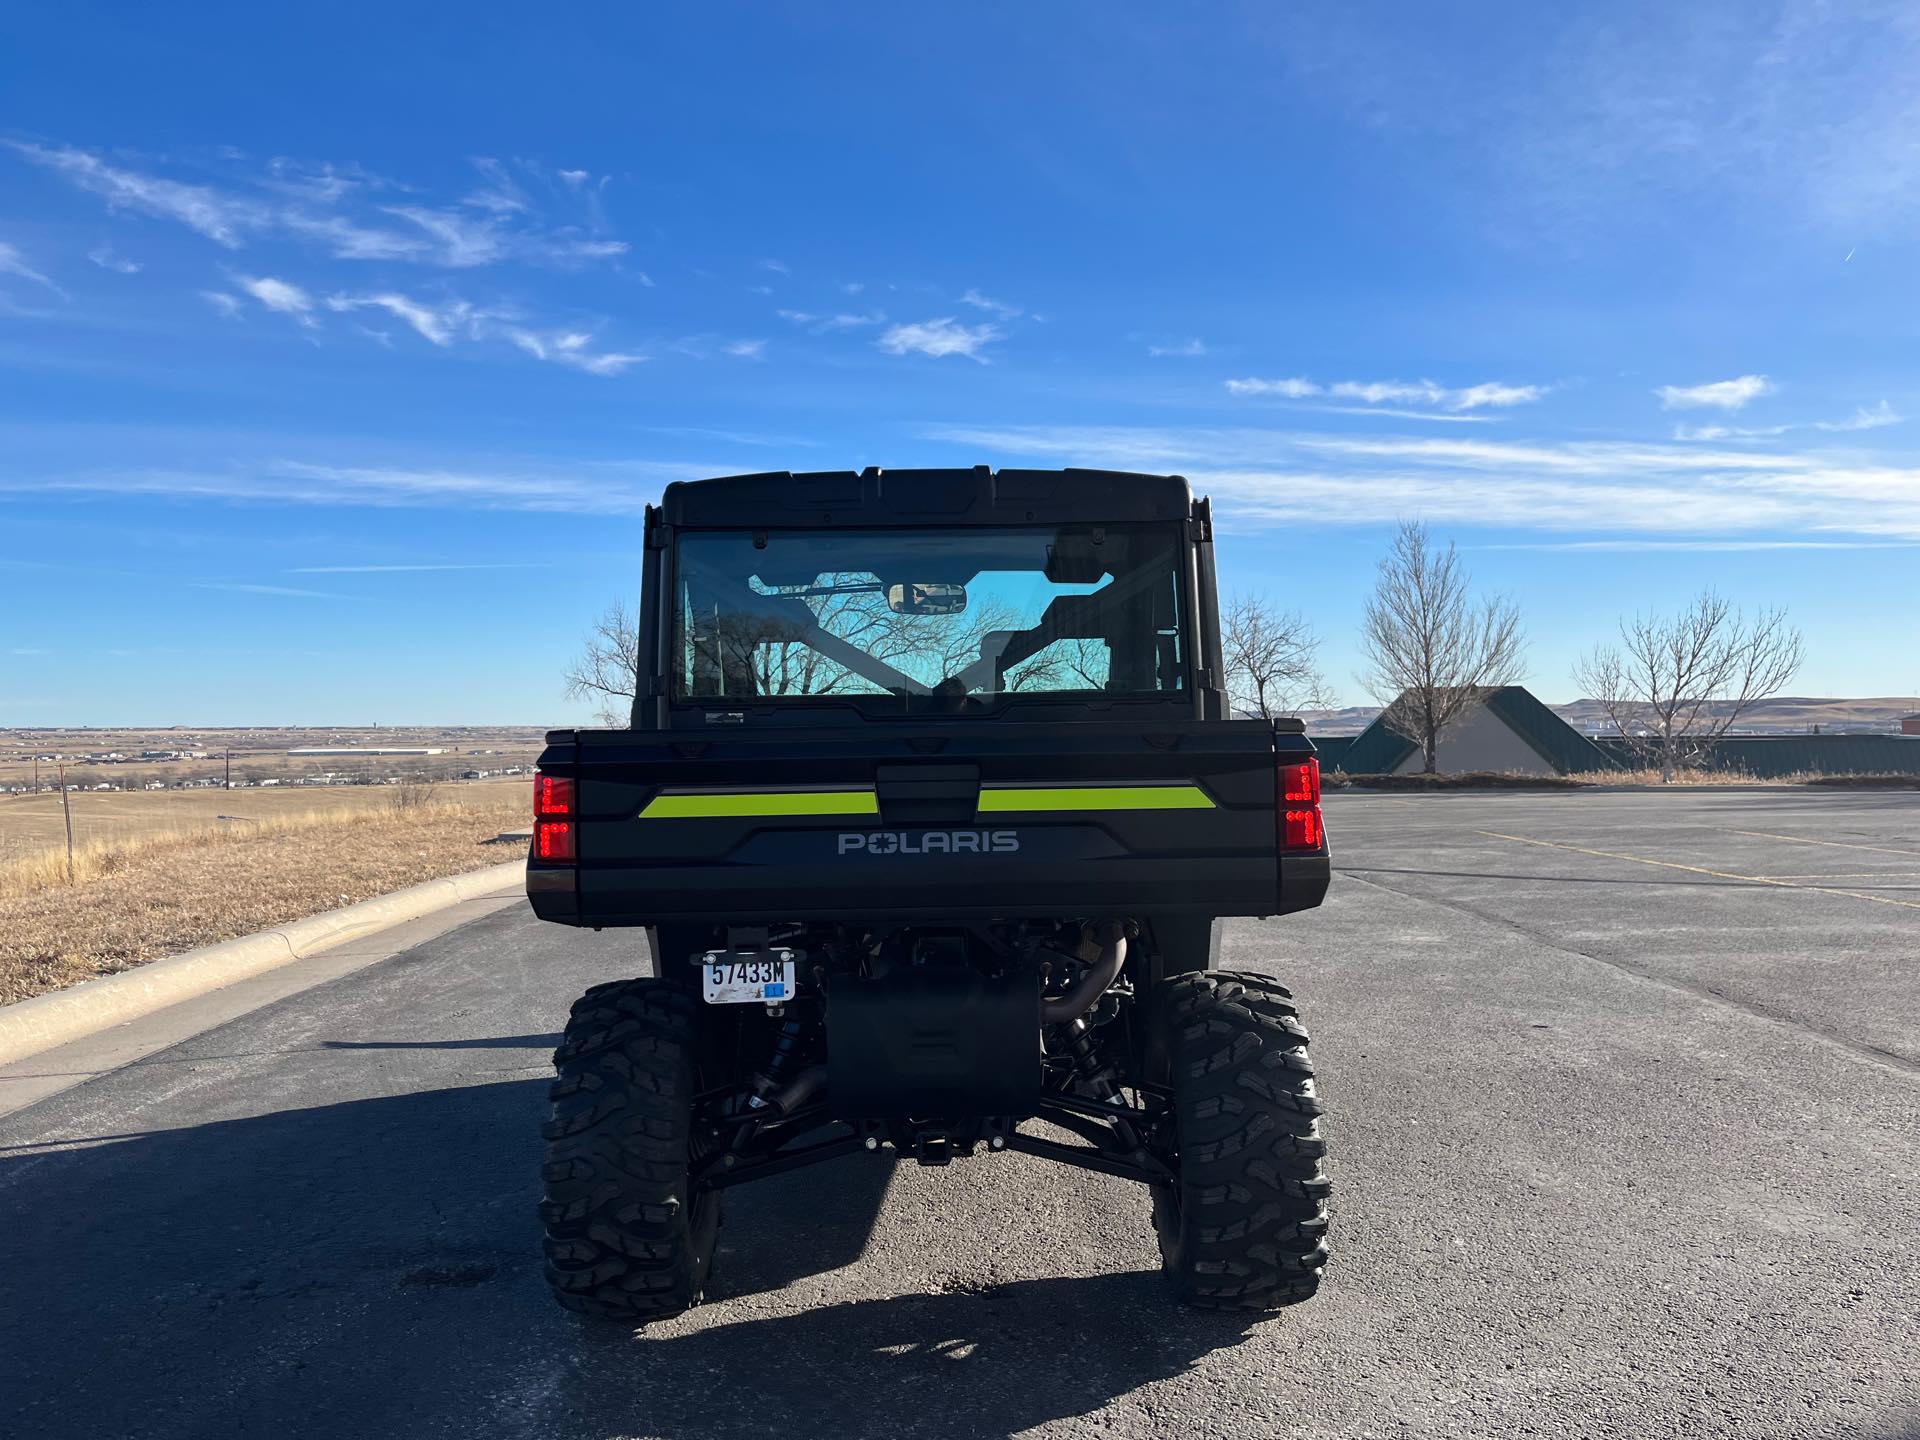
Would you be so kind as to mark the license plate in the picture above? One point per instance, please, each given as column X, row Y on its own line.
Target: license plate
column 765, row 978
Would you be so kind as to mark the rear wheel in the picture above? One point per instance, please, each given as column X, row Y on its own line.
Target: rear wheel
column 1244, row 1225
column 626, row 1237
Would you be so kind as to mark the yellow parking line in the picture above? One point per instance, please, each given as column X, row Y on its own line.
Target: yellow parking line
column 1836, row 844
column 1850, row 875
column 1702, row 870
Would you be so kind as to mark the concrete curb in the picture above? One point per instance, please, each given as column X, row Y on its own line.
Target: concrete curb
column 30, row 1026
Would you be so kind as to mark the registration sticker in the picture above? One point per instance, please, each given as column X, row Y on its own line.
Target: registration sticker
column 747, row 977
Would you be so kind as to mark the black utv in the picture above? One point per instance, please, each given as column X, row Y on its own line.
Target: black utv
column 931, row 806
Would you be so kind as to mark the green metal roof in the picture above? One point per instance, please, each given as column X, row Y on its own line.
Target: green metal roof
column 1553, row 739
column 1378, row 750
column 1332, row 749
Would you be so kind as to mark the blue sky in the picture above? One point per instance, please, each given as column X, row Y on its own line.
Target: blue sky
column 340, row 348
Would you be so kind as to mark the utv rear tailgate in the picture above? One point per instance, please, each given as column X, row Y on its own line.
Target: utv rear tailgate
column 928, row 821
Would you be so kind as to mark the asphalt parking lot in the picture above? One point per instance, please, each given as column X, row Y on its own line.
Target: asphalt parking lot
column 1624, row 1101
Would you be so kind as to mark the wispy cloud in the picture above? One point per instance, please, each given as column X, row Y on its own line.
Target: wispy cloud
column 1265, row 477
column 993, row 307
column 571, row 487
column 1729, row 432
column 444, row 322
column 1863, row 418
column 778, row 267
column 1182, row 349
column 1708, row 546
column 402, row 569
column 12, row 262
column 459, row 241
column 243, row 588
column 572, row 348
column 279, row 296
column 1295, row 388
column 1596, row 458
column 324, row 183
column 941, row 337
column 1492, row 394
column 224, row 305
column 1393, row 412
column 495, row 222
column 438, row 324
column 499, row 192
column 103, row 256
column 346, row 239
column 1728, row 395
column 746, row 349
column 565, row 489
column 222, row 218
column 823, row 324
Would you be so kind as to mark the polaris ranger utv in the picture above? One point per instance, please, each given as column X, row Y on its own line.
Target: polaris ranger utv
column 931, row 806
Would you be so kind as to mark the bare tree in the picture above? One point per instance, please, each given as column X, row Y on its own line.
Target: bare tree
column 1433, row 651
column 608, row 666
column 1271, row 659
column 1675, row 684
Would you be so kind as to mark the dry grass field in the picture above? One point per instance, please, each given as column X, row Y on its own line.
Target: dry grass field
column 32, row 823
column 30, row 759
column 186, row 880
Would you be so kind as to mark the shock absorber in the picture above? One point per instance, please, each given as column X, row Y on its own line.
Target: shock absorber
column 1097, row 1076
column 788, row 1048
column 786, row 1053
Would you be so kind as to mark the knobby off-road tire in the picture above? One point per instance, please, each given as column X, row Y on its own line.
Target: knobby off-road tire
column 625, row 1239
column 1244, row 1228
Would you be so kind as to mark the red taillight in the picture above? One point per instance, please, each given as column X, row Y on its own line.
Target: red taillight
column 1300, row 783
column 553, row 833
column 1299, row 807
column 1300, row 830
column 553, row 840
column 552, row 795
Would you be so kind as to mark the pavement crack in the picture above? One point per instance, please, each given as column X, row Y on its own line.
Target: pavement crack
column 1874, row 1055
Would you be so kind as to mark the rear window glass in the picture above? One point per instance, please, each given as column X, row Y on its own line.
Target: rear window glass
column 937, row 618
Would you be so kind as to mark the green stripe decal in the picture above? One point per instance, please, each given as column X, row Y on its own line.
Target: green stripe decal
column 1093, row 797
column 765, row 802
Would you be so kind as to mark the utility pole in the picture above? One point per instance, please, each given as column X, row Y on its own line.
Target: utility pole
column 66, row 809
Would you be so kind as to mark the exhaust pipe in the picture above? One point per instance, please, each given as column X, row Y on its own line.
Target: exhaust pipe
column 1085, row 992
column 795, row 1093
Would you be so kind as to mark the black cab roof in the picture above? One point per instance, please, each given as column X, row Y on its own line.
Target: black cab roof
column 976, row 496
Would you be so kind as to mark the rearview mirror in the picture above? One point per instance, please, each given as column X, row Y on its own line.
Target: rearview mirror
column 930, row 598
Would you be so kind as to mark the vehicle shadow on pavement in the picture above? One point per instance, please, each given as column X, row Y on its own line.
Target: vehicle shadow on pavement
column 484, row 1042
column 992, row 1361
column 372, row 1267
column 804, row 1223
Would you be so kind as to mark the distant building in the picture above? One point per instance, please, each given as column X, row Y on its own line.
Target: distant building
column 1910, row 724
column 1509, row 733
